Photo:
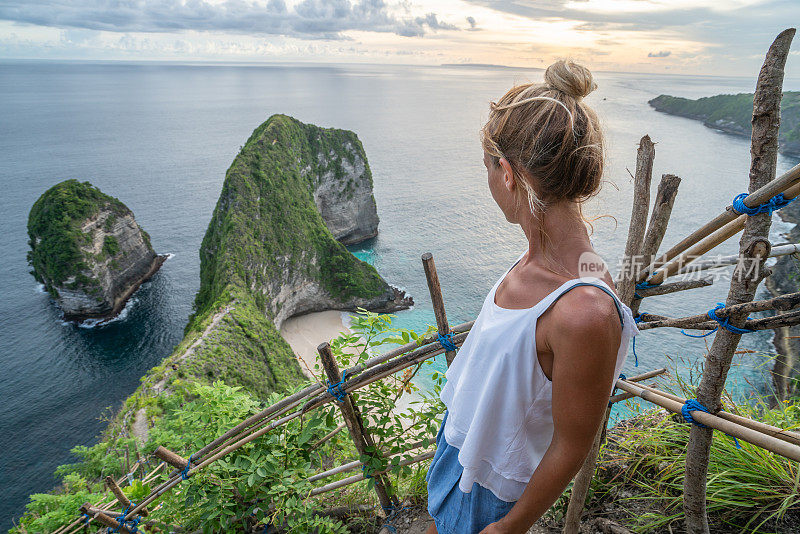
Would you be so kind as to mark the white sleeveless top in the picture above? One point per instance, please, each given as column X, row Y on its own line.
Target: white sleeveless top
column 498, row 398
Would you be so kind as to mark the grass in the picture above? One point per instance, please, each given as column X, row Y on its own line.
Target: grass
column 642, row 467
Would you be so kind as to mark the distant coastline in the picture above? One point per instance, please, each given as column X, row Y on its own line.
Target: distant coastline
column 732, row 114
column 487, row 66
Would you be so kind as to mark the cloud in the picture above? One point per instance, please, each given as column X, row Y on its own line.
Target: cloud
column 663, row 53
column 325, row 19
column 472, row 24
column 416, row 27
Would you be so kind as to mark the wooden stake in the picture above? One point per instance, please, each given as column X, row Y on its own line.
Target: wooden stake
column 437, row 299
column 121, row 498
column 170, row 457
column 625, row 289
column 641, row 206
column 361, row 437
column 672, row 287
column 662, row 209
column 753, row 244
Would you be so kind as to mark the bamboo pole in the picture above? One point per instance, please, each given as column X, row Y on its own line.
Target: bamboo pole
column 357, row 478
column 781, row 303
column 356, row 464
column 257, row 421
column 759, row 439
column 733, row 259
column 786, row 184
column 637, row 378
column 626, row 290
column 435, row 289
column 355, row 423
column 700, row 248
column 770, row 430
column 754, row 244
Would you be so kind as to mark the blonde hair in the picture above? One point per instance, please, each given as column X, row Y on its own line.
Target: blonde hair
column 551, row 139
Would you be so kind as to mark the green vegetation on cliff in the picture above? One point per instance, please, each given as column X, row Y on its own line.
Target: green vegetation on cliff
column 266, row 221
column 732, row 114
column 264, row 226
column 54, row 229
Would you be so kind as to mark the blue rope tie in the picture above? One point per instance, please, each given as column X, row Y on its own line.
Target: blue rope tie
column 185, row 472
column 724, row 323
column 775, row 203
column 623, row 377
column 337, row 390
column 645, row 285
column 391, row 512
column 134, row 523
column 86, row 517
column 364, row 471
column 693, row 405
column 446, row 341
column 637, row 320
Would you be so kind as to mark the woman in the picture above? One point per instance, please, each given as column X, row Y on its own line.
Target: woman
column 529, row 388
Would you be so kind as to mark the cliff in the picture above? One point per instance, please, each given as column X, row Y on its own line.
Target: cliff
column 292, row 190
column 785, row 279
column 732, row 114
column 87, row 250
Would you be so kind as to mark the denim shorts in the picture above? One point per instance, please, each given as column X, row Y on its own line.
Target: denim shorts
column 452, row 510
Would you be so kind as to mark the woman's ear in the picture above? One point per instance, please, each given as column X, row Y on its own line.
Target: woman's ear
column 508, row 174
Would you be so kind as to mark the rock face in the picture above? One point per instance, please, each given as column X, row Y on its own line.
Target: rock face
column 343, row 196
column 292, row 196
column 88, row 250
column 784, row 280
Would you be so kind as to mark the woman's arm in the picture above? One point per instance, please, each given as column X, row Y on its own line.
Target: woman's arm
column 584, row 347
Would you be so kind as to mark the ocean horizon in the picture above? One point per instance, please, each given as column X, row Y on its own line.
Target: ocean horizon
column 160, row 135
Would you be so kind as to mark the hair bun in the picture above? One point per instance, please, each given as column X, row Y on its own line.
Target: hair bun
column 570, row 78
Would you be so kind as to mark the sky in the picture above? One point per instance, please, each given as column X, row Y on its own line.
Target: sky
column 715, row 37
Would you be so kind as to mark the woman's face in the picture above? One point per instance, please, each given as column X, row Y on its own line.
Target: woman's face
column 502, row 185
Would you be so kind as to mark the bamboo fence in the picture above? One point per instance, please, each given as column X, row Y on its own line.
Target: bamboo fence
column 645, row 279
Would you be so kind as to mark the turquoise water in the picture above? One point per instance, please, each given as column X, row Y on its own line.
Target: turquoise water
column 160, row 137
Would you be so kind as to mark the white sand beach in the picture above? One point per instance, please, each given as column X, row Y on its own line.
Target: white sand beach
column 304, row 333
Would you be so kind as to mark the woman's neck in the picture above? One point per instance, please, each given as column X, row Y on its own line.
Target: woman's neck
column 557, row 237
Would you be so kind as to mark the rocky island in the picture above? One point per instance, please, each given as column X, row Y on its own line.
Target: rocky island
column 87, row 250
column 732, row 114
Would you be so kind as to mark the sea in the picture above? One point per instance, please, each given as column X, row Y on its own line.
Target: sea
column 160, row 136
